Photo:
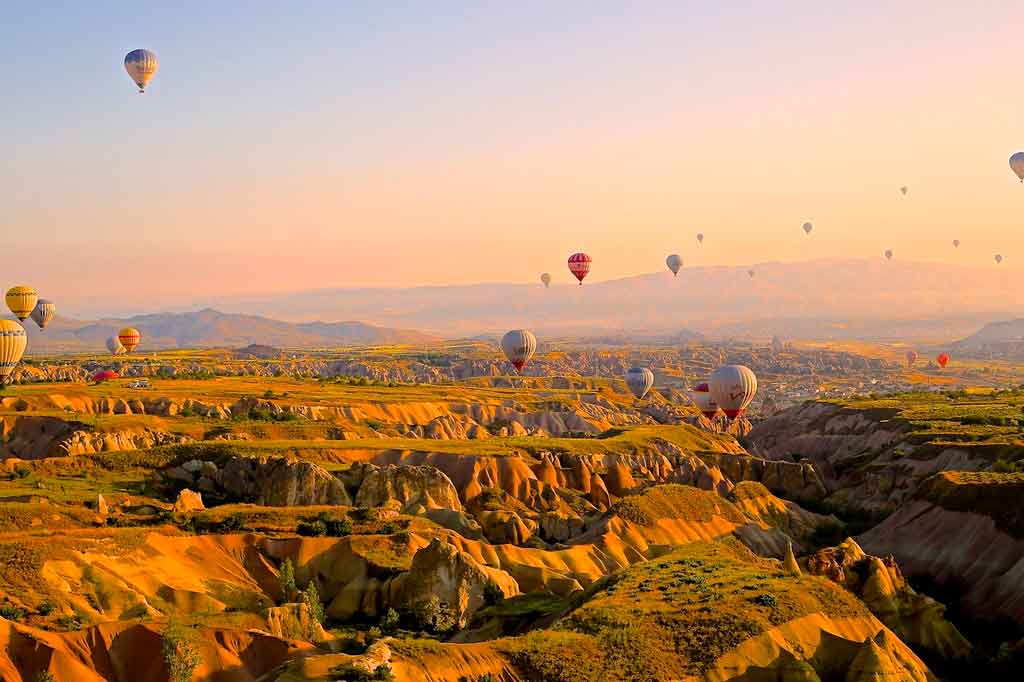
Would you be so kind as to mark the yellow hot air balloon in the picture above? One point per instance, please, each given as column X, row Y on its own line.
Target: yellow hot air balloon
column 12, row 346
column 21, row 300
column 129, row 338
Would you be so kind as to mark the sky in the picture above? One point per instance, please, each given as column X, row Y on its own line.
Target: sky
column 290, row 146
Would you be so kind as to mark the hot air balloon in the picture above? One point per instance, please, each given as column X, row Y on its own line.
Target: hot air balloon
column 105, row 375
column 888, row 254
column 942, row 359
column 114, row 346
column 751, row 273
column 639, row 380
column 674, row 262
column 700, row 237
column 904, row 190
column 705, row 402
column 956, row 243
column 807, row 228
column 43, row 312
column 733, row 387
column 21, row 300
column 129, row 338
column 519, row 346
column 141, row 65
column 546, row 278
column 579, row 265
column 1017, row 164
column 911, row 358
column 999, row 259
column 12, row 346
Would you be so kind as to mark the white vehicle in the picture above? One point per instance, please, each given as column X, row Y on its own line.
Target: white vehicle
column 140, row 383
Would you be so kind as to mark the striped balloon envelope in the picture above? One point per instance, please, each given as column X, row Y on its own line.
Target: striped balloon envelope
column 579, row 265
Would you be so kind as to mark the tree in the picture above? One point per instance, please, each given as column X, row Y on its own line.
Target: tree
column 311, row 598
column 44, row 676
column 389, row 623
column 493, row 593
column 286, row 581
column 180, row 652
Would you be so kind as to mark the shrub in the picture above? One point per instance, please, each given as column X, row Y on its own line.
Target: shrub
column 69, row 622
column 11, row 612
column 231, row 524
column 373, row 634
column 389, row 528
column 181, row 655
column 22, row 471
column 766, row 599
column 434, row 615
column 311, row 529
column 286, row 580
column 338, row 528
column 493, row 593
column 46, row 608
column 352, row 673
column 389, row 622
column 44, row 676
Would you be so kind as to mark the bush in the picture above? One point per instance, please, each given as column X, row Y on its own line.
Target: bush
column 231, row 524
column 11, row 612
column 46, row 608
column 69, row 622
column 435, row 616
column 493, row 594
column 338, row 528
column 311, row 529
column 351, row 673
column 389, row 622
column 181, row 655
column 389, row 528
column 22, row 471
column 44, row 676
column 766, row 599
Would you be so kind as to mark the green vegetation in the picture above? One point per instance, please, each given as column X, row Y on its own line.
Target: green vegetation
column 675, row 501
column 353, row 673
column 675, row 616
column 180, row 652
column 286, row 580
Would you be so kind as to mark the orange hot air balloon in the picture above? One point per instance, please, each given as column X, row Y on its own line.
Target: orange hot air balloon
column 129, row 338
column 579, row 265
column 942, row 359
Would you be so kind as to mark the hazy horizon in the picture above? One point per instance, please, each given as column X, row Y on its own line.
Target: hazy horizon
column 284, row 149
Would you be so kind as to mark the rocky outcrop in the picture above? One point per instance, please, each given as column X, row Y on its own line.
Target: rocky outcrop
column 188, row 501
column 759, row 505
column 293, row 621
column 271, row 481
column 415, row 488
column 797, row 481
column 916, row 618
column 454, row 576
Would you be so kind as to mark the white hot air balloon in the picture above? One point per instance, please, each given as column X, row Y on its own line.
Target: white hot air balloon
column 12, row 346
column 114, row 346
column 674, row 262
column 1017, row 165
column 639, row 380
column 519, row 346
column 733, row 387
column 807, row 228
column 141, row 65
column 43, row 312
column 546, row 279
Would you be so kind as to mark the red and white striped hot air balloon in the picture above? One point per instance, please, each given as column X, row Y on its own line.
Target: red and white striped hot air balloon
column 519, row 345
column 702, row 398
column 579, row 265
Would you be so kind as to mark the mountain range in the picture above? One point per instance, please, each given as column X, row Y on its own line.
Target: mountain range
column 213, row 329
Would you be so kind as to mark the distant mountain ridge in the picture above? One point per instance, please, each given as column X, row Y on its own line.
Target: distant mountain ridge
column 210, row 328
column 828, row 298
column 995, row 332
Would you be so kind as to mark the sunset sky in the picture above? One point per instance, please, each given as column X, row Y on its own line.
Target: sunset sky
column 352, row 144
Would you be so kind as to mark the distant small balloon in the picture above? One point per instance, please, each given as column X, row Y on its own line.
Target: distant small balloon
column 1017, row 165
column 904, row 190
column 141, row 65
column 942, row 359
column 700, row 237
column 43, row 312
column 999, row 259
column 911, row 358
column 674, row 262
column 807, row 228
column 888, row 254
column 751, row 273
column 956, row 243
column 519, row 345
column 546, row 278
column 114, row 346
